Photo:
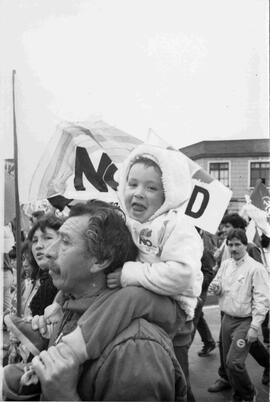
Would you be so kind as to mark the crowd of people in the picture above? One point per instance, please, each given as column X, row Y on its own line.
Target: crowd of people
column 112, row 296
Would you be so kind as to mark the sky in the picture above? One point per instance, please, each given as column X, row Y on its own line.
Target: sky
column 191, row 70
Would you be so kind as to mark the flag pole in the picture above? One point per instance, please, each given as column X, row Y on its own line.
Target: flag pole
column 17, row 201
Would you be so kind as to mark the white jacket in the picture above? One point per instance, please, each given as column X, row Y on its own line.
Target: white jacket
column 170, row 248
column 243, row 289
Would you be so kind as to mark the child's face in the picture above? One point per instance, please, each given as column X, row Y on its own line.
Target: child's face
column 143, row 192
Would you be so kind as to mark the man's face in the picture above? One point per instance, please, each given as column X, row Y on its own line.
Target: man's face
column 144, row 192
column 237, row 249
column 70, row 259
column 226, row 228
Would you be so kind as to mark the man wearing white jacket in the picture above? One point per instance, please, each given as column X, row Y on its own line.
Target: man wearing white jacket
column 243, row 289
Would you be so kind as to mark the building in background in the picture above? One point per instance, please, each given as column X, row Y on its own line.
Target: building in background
column 235, row 163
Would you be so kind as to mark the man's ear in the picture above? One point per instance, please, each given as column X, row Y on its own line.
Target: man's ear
column 99, row 266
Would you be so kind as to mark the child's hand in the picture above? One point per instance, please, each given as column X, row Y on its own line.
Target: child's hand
column 53, row 313
column 114, row 279
column 44, row 323
column 39, row 323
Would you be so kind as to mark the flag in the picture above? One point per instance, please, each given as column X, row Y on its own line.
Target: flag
column 257, row 208
column 80, row 162
column 260, row 197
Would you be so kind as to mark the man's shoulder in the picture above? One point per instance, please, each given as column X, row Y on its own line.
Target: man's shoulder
column 139, row 329
column 251, row 258
column 225, row 263
column 140, row 332
column 141, row 339
column 254, row 252
column 140, row 349
column 254, row 264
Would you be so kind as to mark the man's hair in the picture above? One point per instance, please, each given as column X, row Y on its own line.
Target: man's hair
column 46, row 221
column 235, row 220
column 107, row 236
column 239, row 234
column 146, row 161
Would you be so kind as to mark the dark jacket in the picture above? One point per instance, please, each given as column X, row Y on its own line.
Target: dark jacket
column 208, row 263
column 254, row 252
column 44, row 295
column 139, row 364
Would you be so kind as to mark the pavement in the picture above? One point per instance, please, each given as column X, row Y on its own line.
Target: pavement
column 203, row 370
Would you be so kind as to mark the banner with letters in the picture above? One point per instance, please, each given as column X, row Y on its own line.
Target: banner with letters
column 68, row 161
column 81, row 162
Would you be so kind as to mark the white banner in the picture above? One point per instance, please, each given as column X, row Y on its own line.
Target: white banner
column 80, row 161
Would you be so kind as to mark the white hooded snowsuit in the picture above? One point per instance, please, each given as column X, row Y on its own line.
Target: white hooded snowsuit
column 170, row 248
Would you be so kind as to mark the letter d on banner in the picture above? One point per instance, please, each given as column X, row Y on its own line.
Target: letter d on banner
column 197, row 191
column 207, row 204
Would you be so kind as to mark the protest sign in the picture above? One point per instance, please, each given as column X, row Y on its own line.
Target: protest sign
column 81, row 162
column 209, row 198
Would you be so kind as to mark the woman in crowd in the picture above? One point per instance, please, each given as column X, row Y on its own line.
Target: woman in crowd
column 38, row 290
column 42, row 234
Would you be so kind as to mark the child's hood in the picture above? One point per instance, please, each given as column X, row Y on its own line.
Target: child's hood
column 176, row 177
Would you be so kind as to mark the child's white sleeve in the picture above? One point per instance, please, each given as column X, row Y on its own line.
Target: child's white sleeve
column 179, row 268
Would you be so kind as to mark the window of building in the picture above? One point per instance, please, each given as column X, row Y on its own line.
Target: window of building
column 220, row 171
column 259, row 170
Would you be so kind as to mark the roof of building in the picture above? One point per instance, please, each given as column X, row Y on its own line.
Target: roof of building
column 228, row 148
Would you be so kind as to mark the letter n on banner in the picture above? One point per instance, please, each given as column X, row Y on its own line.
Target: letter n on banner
column 104, row 173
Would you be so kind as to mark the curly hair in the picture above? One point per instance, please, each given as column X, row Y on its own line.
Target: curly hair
column 107, row 236
column 235, row 220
